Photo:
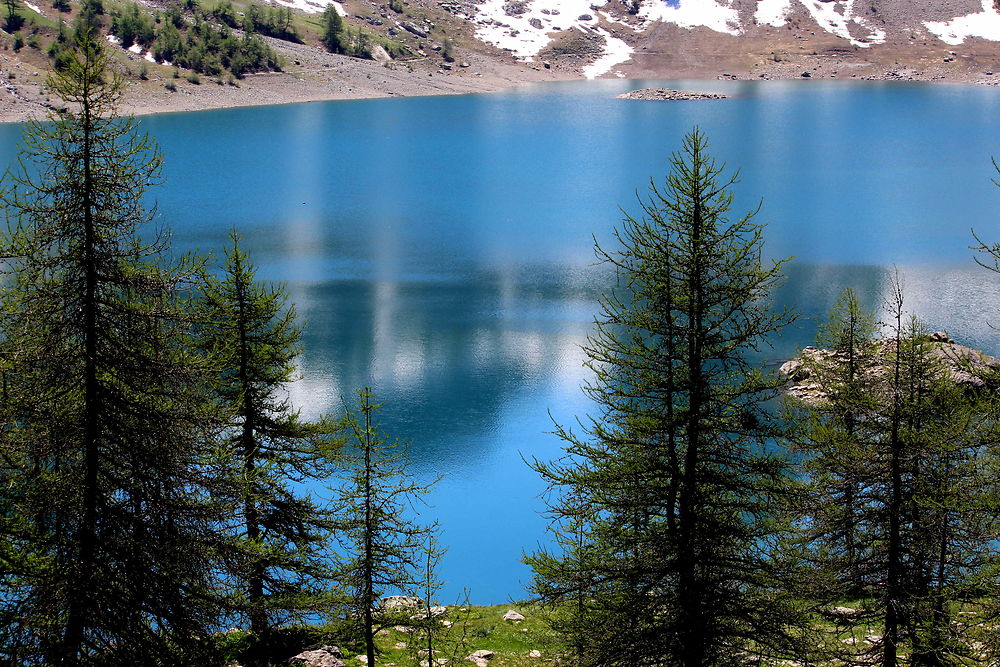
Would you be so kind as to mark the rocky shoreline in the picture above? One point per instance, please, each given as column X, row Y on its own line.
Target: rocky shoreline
column 669, row 95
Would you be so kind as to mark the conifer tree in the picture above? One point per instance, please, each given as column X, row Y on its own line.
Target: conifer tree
column 385, row 548
column 276, row 552
column 335, row 37
column 426, row 630
column 914, row 448
column 106, row 410
column 13, row 22
column 836, row 466
column 680, row 490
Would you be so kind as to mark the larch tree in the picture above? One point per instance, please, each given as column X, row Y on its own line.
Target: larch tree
column 385, row 548
column 899, row 454
column 14, row 21
column 834, row 432
column 275, row 549
column 681, row 493
column 335, row 37
column 106, row 409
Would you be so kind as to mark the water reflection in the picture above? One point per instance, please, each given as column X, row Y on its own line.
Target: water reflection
column 439, row 249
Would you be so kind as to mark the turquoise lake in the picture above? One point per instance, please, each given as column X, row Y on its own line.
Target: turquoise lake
column 440, row 249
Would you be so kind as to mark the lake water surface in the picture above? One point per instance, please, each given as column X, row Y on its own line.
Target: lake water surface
column 440, row 249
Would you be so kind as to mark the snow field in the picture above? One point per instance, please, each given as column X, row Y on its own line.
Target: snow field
column 984, row 24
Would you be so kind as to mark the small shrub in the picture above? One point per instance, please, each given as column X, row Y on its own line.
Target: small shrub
column 193, row 77
column 396, row 6
column 13, row 23
column 485, row 630
column 143, row 71
column 18, row 42
column 235, row 644
column 171, row 86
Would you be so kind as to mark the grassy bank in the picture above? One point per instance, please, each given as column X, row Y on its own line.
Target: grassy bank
column 458, row 631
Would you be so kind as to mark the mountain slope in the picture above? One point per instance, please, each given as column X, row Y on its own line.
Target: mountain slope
column 453, row 46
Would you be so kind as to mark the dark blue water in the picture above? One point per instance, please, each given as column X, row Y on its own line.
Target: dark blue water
column 440, row 249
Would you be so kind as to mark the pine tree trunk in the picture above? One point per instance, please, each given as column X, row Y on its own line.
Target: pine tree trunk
column 369, row 555
column 691, row 632
column 79, row 602
column 255, row 582
column 894, row 556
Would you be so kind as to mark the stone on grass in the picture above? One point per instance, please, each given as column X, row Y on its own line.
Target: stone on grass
column 328, row 656
column 400, row 603
column 481, row 657
column 513, row 616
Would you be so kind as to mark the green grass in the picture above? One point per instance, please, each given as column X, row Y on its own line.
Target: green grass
column 474, row 628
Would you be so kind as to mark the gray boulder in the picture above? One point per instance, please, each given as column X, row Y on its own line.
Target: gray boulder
column 481, row 657
column 400, row 603
column 328, row 656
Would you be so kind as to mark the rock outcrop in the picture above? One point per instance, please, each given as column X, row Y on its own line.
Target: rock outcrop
column 400, row 603
column 962, row 365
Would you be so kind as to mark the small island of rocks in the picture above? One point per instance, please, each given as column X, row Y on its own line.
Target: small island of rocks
column 668, row 95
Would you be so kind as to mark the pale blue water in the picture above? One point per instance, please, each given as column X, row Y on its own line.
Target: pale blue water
column 440, row 249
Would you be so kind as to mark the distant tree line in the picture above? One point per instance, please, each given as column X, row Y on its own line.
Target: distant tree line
column 271, row 21
column 151, row 465
column 212, row 40
column 204, row 46
column 339, row 37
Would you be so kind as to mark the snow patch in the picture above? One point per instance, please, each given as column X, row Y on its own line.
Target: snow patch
column 615, row 51
column 693, row 13
column 985, row 24
column 312, row 6
column 836, row 17
column 135, row 48
column 773, row 12
column 526, row 31
column 34, row 8
column 524, row 26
